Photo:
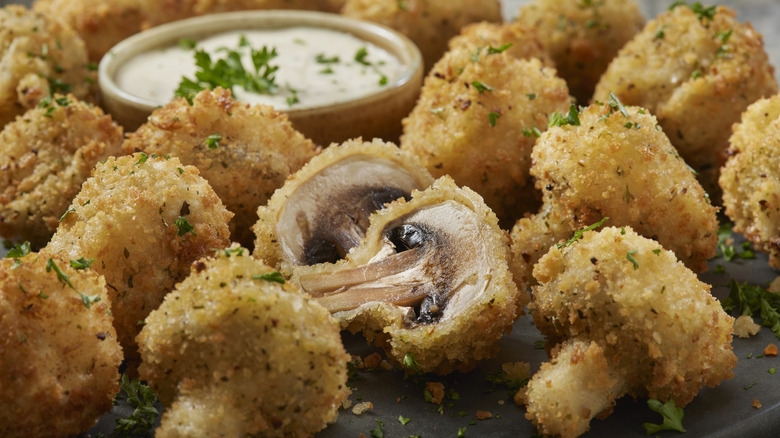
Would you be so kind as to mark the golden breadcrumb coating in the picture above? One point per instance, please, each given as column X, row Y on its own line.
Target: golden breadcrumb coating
column 39, row 57
column 460, row 320
column 244, row 151
column 164, row 11
column 750, row 179
column 59, row 355
column 661, row 332
column 515, row 38
column 582, row 37
column 45, row 155
column 697, row 75
column 144, row 219
column 101, row 24
column 477, row 120
column 240, row 352
column 617, row 164
column 333, row 195
column 428, row 23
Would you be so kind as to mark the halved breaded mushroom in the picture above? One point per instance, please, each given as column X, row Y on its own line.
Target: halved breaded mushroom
column 322, row 211
column 430, row 279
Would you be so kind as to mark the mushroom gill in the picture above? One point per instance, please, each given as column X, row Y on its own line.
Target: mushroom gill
column 430, row 278
column 323, row 210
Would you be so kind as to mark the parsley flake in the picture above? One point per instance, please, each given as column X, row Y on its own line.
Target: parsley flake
column 142, row 399
column 559, row 119
column 183, row 226
column 630, row 257
column 493, row 50
column 212, row 141
column 578, row 234
column 672, row 417
column 493, row 117
column 275, row 277
column 481, row 86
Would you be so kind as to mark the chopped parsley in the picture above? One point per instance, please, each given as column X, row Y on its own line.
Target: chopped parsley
column 578, row 234
column 481, row 86
column 411, row 364
column 187, row 44
column 212, row 141
column 322, row 59
column 500, row 378
column 559, row 119
column 229, row 72
column 18, row 251
column 81, row 263
column 532, row 132
column 493, row 117
column 379, row 431
column 184, row 227
column 404, row 420
column 493, row 50
column 630, row 258
column 275, row 277
column 755, row 299
column 88, row 300
column 672, row 417
column 702, row 12
column 361, row 57
column 142, row 399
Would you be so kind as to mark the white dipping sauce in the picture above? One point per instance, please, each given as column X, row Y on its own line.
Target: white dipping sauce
column 302, row 74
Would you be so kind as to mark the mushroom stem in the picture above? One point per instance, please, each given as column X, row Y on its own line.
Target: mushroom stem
column 400, row 295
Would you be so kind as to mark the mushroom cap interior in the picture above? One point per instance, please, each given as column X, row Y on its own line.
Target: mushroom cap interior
column 327, row 215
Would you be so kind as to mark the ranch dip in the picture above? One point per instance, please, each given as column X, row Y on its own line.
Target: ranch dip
column 314, row 66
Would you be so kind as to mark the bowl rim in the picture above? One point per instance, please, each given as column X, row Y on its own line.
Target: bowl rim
column 170, row 33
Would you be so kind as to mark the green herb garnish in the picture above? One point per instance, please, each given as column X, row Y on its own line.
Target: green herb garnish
column 672, row 417
column 212, row 141
column 481, row 86
column 275, row 277
column 142, row 399
column 558, row 119
column 183, row 226
column 755, row 299
column 578, row 234
column 88, row 300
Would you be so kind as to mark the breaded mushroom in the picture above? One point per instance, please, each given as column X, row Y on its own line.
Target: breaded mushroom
column 323, row 210
column 144, row 219
column 477, row 118
column 59, row 355
column 750, row 179
column 38, row 58
column 235, row 350
column 612, row 161
column 428, row 23
column 582, row 36
column 430, row 280
column 244, row 151
column 697, row 69
column 101, row 24
column 164, row 11
column 45, row 155
column 515, row 38
column 625, row 317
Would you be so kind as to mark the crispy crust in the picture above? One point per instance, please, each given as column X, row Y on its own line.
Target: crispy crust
column 751, row 177
column 257, row 150
column 164, row 11
column 59, row 360
column 481, row 138
column 101, row 24
column 429, row 23
column 125, row 217
column 630, row 174
column 45, row 156
column 658, row 325
column 696, row 83
column 39, row 57
column 239, row 355
column 582, row 38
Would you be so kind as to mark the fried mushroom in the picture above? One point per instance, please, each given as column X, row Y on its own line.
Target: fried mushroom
column 236, row 351
column 428, row 23
column 39, row 57
column 244, row 151
column 144, row 219
column 630, row 315
column 159, row 12
column 99, row 23
column 430, row 279
column 45, row 155
column 697, row 69
column 477, row 119
column 322, row 211
column 614, row 162
column 582, row 37
column 59, row 355
column 751, row 177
